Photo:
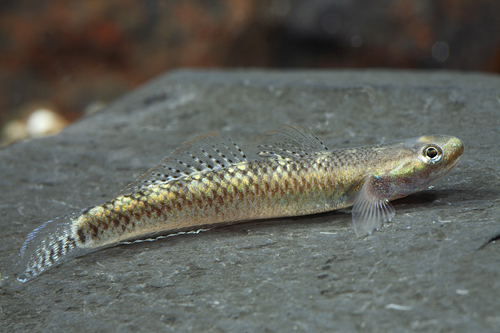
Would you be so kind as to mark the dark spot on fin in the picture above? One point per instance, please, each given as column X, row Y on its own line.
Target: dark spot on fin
column 208, row 152
column 47, row 246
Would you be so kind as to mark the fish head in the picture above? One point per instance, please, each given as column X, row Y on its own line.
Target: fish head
column 417, row 163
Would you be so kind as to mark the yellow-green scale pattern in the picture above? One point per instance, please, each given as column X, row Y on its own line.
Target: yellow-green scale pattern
column 209, row 181
column 246, row 191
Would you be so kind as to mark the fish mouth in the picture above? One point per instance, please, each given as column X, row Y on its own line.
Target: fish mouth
column 446, row 170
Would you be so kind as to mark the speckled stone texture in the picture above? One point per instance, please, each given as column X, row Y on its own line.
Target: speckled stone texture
column 424, row 272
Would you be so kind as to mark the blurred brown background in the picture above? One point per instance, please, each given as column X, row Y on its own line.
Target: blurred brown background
column 72, row 57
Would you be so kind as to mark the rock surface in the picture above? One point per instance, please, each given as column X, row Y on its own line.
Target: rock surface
column 424, row 272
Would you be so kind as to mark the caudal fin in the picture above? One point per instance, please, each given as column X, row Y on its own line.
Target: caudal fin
column 47, row 246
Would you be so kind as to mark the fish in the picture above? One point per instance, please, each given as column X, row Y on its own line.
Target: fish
column 209, row 181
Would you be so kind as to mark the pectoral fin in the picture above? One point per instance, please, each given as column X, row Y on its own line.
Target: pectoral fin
column 370, row 211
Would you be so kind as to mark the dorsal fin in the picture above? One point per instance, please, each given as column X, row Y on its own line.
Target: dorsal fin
column 209, row 151
column 291, row 142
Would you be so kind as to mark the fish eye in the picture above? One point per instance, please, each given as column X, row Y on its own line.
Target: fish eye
column 432, row 154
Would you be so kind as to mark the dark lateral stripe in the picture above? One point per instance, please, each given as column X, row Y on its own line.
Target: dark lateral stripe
column 81, row 236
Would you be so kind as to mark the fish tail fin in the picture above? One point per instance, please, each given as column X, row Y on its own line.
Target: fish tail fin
column 47, row 246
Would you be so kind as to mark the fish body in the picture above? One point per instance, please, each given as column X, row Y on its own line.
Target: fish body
column 209, row 181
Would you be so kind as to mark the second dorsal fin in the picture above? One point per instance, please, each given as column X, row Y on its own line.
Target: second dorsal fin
column 209, row 151
column 291, row 142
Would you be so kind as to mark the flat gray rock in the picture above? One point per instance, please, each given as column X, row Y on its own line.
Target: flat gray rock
column 426, row 271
